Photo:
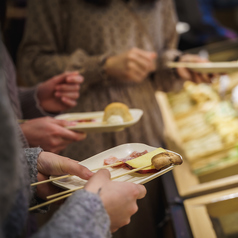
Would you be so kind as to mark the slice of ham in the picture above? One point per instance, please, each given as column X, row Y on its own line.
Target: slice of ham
column 134, row 155
column 113, row 159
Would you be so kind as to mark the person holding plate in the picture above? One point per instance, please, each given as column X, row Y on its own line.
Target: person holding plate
column 122, row 48
column 35, row 107
column 94, row 211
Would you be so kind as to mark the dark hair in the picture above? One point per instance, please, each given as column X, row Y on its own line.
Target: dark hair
column 107, row 2
column 2, row 12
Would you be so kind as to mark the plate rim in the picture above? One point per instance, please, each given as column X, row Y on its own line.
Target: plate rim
column 150, row 177
column 204, row 65
column 86, row 127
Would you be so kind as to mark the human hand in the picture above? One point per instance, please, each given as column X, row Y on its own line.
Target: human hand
column 60, row 92
column 188, row 74
column 49, row 133
column 119, row 198
column 53, row 164
column 133, row 65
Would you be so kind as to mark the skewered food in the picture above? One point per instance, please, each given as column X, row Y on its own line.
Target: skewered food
column 156, row 160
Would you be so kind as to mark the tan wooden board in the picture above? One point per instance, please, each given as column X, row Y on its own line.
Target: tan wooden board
column 188, row 184
column 200, row 210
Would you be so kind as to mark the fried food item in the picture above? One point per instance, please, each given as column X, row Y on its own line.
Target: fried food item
column 156, row 160
column 165, row 159
column 117, row 109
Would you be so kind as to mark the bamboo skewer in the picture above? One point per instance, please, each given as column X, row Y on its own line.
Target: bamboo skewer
column 156, row 161
column 70, row 192
column 49, row 202
column 75, row 189
column 64, row 192
column 70, row 175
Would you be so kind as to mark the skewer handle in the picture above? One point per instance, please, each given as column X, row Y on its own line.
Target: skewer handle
column 70, row 175
column 75, row 189
column 72, row 190
column 49, row 202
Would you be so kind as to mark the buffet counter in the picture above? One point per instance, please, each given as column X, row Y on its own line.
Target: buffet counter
column 201, row 124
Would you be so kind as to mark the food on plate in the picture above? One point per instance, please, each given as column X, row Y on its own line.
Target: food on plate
column 165, row 159
column 156, row 160
column 162, row 161
column 117, row 109
column 84, row 120
column 133, row 155
column 115, row 119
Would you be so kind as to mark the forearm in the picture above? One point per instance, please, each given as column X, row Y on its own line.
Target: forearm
column 165, row 77
column 82, row 215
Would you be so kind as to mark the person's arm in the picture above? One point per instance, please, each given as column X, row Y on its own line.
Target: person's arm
column 165, row 77
column 42, row 52
column 50, row 133
column 82, row 215
column 50, row 97
column 87, row 212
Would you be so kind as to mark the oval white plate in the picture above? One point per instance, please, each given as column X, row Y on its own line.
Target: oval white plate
column 120, row 151
column 98, row 125
column 207, row 67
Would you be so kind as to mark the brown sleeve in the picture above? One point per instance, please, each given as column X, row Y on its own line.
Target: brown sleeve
column 42, row 51
column 165, row 78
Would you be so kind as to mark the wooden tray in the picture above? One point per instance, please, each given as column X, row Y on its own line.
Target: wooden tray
column 188, row 184
column 214, row 215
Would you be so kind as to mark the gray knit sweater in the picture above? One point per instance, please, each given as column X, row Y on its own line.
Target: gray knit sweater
column 23, row 99
column 82, row 215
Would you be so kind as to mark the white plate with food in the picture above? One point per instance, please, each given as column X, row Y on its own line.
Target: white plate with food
column 92, row 121
column 122, row 152
column 207, row 67
column 115, row 117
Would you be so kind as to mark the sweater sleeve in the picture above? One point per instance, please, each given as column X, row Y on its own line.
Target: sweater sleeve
column 165, row 77
column 31, row 155
column 82, row 215
column 30, row 104
column 42, row 53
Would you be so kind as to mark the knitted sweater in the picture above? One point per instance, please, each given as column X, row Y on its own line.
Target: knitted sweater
column 23, row 100
column 82, row 215
column 74, row 34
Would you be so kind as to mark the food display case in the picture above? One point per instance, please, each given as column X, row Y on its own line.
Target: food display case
column 214, row 215
column 202, row 125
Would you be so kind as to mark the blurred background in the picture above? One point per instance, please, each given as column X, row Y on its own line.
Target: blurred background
column 201, row 23
column 201, row 120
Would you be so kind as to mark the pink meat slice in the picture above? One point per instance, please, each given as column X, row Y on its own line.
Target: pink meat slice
column 133, row 155
column 111, row 160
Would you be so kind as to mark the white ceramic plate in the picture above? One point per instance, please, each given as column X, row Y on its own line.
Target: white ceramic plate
column 120, row 151
column 98, row 125
column 208, row 67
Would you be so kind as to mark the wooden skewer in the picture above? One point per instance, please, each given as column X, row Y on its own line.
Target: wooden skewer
column 156, row 161
column 72, row 190
column 70, row 175
column 75, row 189
column 49, row 202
